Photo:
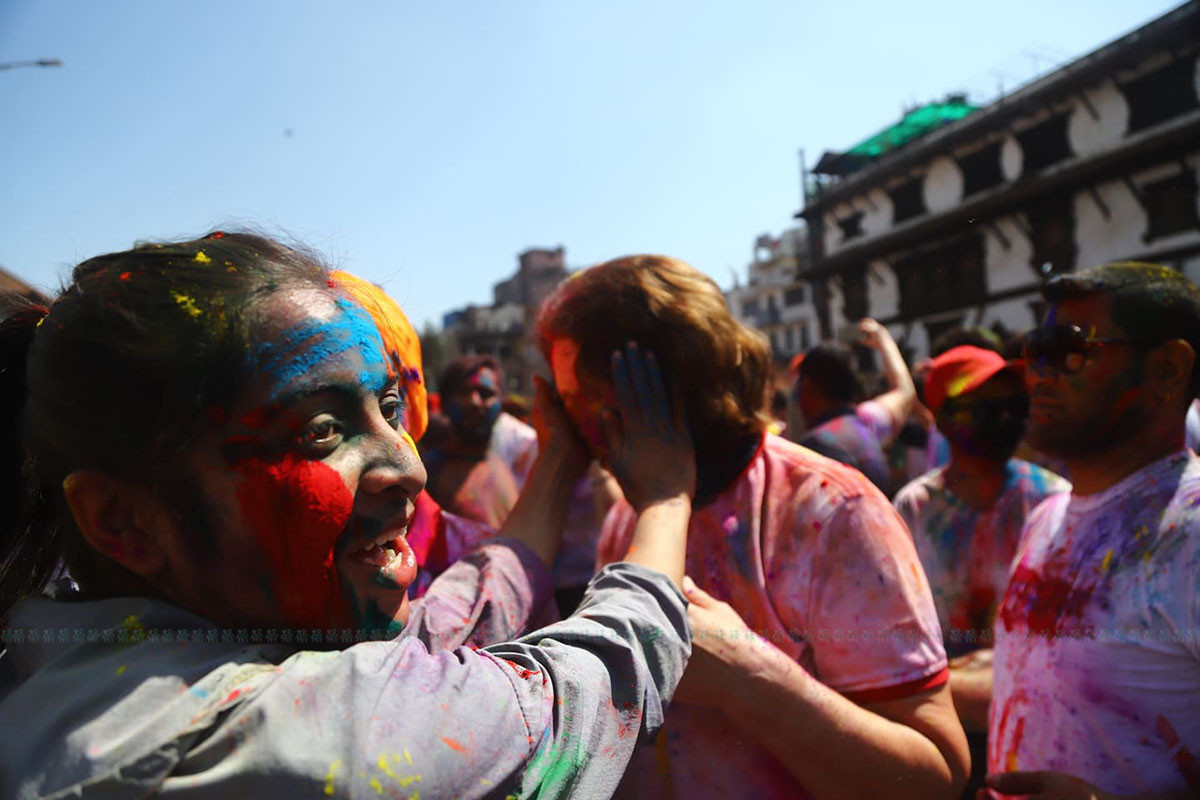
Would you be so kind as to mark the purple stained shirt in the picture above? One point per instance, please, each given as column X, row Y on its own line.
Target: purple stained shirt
column 1097, row 655
column 857, row 437
column 459, row 705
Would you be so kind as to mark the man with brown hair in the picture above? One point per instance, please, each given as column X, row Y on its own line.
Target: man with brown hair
column 817, row 667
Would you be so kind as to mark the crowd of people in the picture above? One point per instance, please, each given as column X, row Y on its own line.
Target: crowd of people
column 249, row 553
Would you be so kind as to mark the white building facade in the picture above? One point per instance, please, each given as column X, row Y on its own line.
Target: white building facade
column 1097, row 161
column 774, row 300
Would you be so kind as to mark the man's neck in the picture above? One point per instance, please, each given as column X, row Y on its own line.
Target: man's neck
column 1099, row 471
column 976, row 481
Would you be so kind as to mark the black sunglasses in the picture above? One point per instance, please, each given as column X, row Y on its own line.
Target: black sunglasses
column 1066, row 348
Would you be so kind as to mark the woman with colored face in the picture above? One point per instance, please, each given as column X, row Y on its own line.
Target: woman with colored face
column 225, row 520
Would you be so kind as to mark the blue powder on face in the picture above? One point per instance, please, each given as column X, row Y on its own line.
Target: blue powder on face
column 300, row 349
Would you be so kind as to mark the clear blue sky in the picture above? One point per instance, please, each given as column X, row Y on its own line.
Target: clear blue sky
column 432, row 142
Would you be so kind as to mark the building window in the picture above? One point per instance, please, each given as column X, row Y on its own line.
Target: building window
column 851, row 226
column 789, row 336
column 794, row 295
column 944, row 279
column 1171, row 205
column 981, row 169
column 773, row 315
column 805, row 342
column 1052, row 233
column 1044, row 144
column 1162, row 94
column 854, row 290
column 750, row 309
column 907, row 200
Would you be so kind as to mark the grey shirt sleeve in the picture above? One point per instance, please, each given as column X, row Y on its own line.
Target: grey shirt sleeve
column 555, row 713
column 492, row 594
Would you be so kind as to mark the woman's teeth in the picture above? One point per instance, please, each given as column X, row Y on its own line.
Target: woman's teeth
column 384, row 540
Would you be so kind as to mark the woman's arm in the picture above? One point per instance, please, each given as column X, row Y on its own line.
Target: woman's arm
column 540, row 513
column 910, row 747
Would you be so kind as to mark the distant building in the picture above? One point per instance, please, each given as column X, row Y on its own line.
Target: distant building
column 774, row 300
column 11, row 284
column 957, row 214
column 505, row 328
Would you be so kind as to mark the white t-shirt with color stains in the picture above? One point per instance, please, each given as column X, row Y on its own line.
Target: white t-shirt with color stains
column 1097, row 658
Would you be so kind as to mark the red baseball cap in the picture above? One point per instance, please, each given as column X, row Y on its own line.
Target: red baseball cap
column 961, row 370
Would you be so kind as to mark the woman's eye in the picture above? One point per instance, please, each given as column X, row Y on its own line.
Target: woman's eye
column 392, row 410
column 322, row 433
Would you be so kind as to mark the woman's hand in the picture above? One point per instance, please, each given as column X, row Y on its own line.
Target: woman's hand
column 649, row 444
column 724, row 651
column 557, row 437
column 871, row 333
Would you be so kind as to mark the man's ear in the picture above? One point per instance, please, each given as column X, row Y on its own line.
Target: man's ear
column 117, row 519
column 1170, row 366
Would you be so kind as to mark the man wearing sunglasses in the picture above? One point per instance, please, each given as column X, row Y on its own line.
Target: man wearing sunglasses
column 966, row 517
column 1097, row 657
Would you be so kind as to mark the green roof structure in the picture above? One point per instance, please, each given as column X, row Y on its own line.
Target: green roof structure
column 913, row 125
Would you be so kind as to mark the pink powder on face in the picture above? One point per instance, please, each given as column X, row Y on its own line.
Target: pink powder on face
column 298, row 509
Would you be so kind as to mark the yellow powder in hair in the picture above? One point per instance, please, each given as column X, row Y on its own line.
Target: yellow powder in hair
column 187, row 304
column 202, row 258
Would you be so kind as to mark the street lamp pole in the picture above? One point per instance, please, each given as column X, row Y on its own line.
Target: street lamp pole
column 37, row 62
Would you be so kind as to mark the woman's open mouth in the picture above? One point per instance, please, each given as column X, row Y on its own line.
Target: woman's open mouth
column 387, row 559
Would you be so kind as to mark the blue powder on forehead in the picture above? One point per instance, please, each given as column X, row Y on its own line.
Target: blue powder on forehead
column 300, row 349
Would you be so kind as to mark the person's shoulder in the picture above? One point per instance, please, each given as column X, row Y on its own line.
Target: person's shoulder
column 1038, row 480
column 1185, row 500
column 919, row 490
column 804, row 466
column 510, row 428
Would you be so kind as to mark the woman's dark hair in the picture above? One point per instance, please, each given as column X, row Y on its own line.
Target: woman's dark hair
column 137, row 354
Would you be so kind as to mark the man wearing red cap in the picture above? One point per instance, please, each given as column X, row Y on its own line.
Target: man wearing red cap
column 966, row 517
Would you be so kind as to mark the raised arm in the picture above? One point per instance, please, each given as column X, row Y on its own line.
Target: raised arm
column 540, row 513
column 899, row 399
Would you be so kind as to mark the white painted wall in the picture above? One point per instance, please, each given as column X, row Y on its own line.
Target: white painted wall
column 1012, row 160
column 1120, row 236
column 1088, row 135
column 837, row 303
column 883, row 290
column 943, row 185
column 877, row 213
column 1191, row 269
column 912, row 335
column 1007, row 269
column 1014, row 313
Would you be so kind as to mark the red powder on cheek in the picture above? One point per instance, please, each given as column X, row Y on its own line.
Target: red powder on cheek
column 298, row 509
